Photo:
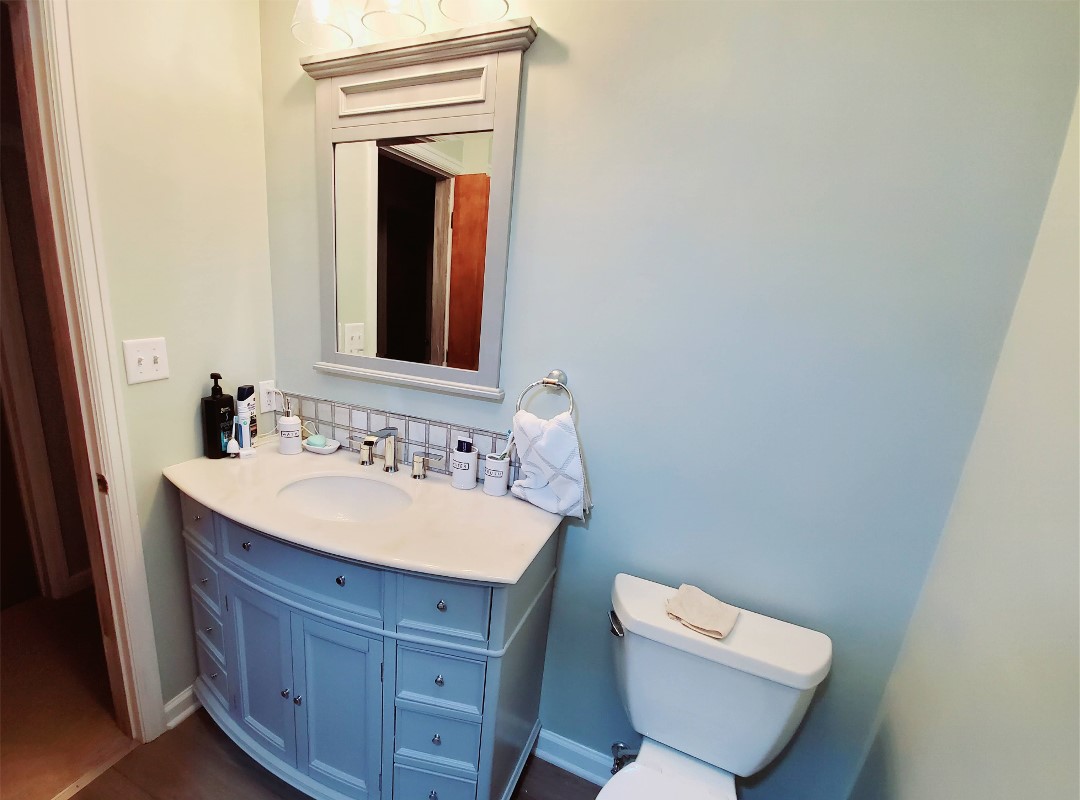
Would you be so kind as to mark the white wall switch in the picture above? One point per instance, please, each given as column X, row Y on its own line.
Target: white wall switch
column 146, row 360
column 354, row 339
column 267, row 397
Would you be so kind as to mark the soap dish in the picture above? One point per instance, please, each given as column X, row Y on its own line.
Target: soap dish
column 330, row 446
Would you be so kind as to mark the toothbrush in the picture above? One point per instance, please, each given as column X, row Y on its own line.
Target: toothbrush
column 506, row 450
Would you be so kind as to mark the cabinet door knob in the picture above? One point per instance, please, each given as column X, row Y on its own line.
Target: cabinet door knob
column 298, row 700
column 208, row 628
column 213, row 676
column 285, row 693
column 436, row 739
column 340, row 580
column 441, row 605
column 433, row 796
column 246, row 545
column 198, row 517
column 204, row 581
column 439, row 680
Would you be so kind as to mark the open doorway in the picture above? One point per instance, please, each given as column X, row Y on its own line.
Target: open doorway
column 58, row 724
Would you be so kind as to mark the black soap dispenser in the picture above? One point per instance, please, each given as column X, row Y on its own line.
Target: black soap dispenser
column 217, row 418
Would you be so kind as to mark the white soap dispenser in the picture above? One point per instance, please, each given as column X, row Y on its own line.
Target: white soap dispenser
column 289, row 432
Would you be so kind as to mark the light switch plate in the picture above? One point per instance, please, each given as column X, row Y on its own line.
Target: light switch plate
column 146, row 360
column 354, row 338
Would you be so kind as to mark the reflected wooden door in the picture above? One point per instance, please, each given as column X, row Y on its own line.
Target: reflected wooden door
column 467, row 252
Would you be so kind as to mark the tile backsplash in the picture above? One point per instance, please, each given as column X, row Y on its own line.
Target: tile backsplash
column 348, row 423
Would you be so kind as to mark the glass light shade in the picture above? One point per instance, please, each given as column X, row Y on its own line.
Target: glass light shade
column 322, row 24
column 473, row 11
column 394, row 18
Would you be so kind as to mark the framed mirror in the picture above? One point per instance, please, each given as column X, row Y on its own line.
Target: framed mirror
column 410, row 240
column 415, row 158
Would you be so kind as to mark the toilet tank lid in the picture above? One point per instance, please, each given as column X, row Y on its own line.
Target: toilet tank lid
column 769, row 648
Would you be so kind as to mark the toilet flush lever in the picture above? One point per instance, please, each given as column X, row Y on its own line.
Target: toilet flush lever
column 616, row 624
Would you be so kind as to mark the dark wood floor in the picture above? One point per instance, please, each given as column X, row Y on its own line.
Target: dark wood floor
column 56, row 715
column 196, row 761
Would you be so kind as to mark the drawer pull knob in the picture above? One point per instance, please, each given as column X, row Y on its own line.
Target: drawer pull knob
column 441, row 605
column 246, row 545
column 436, row 739
column 285, row 693
column 433, row 796
column 439, row 680
column 204, row 581
column 213, row 676
column 340, row 580
column 298, row 700
column 208, row 628
column 198, row 517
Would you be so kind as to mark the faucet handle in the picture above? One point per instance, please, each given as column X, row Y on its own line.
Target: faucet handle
column 367, row 449
column 420, row 463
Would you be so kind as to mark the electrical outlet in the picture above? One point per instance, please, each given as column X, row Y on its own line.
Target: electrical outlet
column 354, row 338
column 146, row 360
column 267, row 397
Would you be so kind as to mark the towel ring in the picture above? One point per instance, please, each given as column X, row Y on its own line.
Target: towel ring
column 555, row 379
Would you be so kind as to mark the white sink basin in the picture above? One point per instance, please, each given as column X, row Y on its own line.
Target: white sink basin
column 343, row 498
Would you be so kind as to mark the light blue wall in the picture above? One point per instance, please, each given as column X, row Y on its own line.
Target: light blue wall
column 776, row 248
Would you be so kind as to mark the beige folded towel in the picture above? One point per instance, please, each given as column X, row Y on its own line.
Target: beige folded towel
column 702, row 612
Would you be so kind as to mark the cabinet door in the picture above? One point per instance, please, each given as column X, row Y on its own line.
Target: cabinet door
column 338, row 675
column 263, row 686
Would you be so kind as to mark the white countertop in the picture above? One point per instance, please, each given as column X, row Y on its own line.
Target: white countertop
column 444, row 531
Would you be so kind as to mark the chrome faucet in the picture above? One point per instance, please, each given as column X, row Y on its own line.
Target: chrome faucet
column 367, row 449
column 420, row 462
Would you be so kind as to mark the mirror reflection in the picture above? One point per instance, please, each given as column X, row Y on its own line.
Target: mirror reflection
column 411, row 238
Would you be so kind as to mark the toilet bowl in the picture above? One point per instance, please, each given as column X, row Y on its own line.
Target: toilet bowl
column 708, row 710
column 660, row 773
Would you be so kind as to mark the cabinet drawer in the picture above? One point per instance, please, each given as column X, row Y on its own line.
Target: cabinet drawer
column 441, row 740
column 444, row 610
column 204, row 580
column 325, row 579
column 442, row 680
column 212, row 673
column 198, row 521
column 208, row 628
column 418, row 784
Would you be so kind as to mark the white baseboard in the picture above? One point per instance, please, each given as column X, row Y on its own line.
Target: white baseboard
column 575, row 758
column 181, row 707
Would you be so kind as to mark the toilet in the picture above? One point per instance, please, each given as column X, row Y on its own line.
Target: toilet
column 709, row 710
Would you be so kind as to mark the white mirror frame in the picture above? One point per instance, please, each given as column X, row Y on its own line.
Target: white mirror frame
column 450, row 82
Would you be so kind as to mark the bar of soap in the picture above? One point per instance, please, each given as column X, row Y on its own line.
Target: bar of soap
column 318, row 440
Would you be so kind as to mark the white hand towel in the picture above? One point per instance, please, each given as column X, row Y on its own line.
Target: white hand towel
column 702, row 612
column 551, row 474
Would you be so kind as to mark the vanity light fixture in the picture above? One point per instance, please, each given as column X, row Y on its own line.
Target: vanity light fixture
column 472, row 12
column 394, row 18
column 322, row 24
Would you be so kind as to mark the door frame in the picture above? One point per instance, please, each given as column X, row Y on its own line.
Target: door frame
column 96, row 407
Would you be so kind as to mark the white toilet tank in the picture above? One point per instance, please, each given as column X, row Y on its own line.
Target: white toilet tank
column 733, row 703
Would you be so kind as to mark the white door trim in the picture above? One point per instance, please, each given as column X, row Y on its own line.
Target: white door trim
column 98, row 371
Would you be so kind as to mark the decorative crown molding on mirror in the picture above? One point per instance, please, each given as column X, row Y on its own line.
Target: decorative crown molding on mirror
column 415, row 158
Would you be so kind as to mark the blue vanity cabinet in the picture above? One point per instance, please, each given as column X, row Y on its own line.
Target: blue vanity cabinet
column 337, row 680
column 262, row 687
column 352, row 681
column 308, row 692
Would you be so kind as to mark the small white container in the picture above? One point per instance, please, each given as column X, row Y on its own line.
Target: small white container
column 463, row 469
column 496, row 475
column 289, row 442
